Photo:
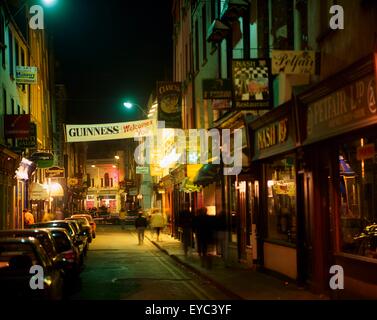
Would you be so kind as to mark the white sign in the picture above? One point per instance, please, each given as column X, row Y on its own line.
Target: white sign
column 26, row 75
column 110, row 131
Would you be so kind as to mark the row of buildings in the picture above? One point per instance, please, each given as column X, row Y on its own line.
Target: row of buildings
column 304, row 97
column 32, row 113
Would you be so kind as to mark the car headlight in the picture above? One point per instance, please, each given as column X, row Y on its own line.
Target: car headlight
column 47, row 281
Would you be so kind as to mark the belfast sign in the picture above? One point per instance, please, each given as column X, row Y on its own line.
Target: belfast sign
column 110, row 131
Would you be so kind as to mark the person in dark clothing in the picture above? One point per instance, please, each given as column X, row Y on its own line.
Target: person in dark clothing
column 203, row 229
column 141, row 224
column 185, row 223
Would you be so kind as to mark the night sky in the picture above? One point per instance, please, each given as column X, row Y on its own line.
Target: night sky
column 109, row 51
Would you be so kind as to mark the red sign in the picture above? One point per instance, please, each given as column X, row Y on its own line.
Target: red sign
column 17, row 126
column 365, row 152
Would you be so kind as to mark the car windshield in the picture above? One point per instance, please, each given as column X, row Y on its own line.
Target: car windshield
column 16, row 255
column 62, row 242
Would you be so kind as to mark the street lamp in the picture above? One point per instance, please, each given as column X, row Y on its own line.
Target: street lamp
column 129, row 105
column 49, row 2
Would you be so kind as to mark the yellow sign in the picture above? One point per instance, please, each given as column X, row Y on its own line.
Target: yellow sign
column 293, row 62
column 26, row 75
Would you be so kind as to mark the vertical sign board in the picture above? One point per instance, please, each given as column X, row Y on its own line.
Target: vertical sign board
column 252, row 84
column 169, row 96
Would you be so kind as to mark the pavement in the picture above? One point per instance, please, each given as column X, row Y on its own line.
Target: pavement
column 237, row 280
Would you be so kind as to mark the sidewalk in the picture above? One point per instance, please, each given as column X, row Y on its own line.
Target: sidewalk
column 238, row 281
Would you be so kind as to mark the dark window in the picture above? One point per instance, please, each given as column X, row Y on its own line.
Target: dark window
column 18, row 109
column 11, row 60
column 2, row 40
column 5, row 100
column 12, row 106
column 196, row 45
column 107, row 180
column 17, row 53
column 282, row 24
column 204, row 30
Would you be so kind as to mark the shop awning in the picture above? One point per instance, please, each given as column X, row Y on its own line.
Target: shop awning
column 38, row 192
column 55, row 189
column 208, row 174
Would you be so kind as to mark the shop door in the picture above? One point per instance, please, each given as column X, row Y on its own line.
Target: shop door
column 305, row 211
column 242, row 226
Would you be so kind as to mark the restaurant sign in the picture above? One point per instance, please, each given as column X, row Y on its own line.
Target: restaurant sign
column 293, row 62
column 272, row 135
column 349, row 108
column 252, row 84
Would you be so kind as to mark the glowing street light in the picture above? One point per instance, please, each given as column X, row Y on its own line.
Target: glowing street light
column 129, row 105
column 49, row 2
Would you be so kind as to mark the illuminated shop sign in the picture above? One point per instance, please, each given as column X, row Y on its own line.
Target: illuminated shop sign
column 272, row 135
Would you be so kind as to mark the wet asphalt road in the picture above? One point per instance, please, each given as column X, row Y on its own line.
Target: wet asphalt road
column 117, row 268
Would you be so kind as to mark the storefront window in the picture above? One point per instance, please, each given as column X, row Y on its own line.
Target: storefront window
column 281, row 200
column 358, row 198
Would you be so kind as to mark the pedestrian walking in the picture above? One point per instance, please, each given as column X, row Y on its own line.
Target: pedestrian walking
column 122, row 218
column 28, row 218
column 185, row 223
column 140, row 225
column 157, row 223
column 203, row 228
column 222, row 235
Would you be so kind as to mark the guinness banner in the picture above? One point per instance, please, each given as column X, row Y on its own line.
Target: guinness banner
column 169, row 97
column 110, row 131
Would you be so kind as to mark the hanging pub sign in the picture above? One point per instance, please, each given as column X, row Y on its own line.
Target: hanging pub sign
column 17, row 126
column 31, row 140
column 55, row 172
column 217, row 89
column 252, row 85
column 26, row 75
column 293, row 62
column 43, row 159
column 169, row 96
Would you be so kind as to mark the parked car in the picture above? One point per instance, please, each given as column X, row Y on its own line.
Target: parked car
column 70, row 226
column 44, row 237
column 85, row 231
column 91, row 222
column 17, row 256
column 70, row 253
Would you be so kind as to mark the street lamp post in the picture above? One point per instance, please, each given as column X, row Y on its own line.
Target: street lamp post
column 129, row 105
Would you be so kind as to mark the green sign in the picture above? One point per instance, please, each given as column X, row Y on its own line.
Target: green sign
column 142, row 170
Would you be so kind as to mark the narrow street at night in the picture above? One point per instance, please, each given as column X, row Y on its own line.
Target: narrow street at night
column 176, row 151
column 117, row 268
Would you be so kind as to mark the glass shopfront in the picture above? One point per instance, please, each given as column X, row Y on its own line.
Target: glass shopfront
column 281, row 200
column 358, row 197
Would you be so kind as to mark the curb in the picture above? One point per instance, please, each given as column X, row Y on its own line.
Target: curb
column 215, row 283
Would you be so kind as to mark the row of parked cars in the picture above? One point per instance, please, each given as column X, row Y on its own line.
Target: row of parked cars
column 58, row 246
